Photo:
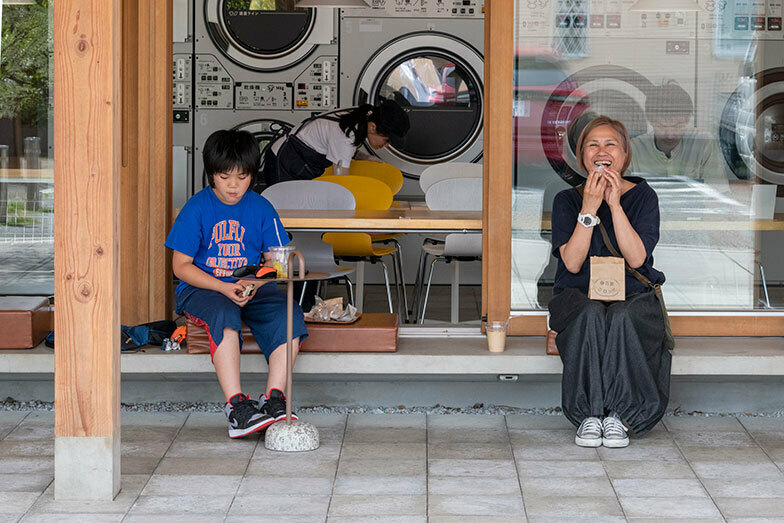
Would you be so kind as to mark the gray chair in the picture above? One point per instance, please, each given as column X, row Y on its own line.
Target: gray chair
column 312, row 194
column 455, row 194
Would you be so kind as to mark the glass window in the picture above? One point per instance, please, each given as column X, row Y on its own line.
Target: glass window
column 701, row 95
column 26, row 133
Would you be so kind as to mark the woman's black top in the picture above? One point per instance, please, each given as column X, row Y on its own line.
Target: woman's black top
column 641, row 206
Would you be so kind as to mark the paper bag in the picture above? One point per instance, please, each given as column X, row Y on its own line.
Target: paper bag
column 608, row 279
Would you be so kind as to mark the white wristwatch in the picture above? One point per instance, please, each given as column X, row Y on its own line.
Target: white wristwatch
column 588, row 220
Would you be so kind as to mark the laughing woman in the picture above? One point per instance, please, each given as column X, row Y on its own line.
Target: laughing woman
column 616, row 366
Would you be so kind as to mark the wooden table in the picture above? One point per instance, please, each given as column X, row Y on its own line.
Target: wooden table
column 397, row 219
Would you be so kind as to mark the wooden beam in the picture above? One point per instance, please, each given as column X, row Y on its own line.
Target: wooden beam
column 87, row 103
column 498, row 155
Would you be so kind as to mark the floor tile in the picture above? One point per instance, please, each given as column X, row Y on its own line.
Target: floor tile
column 751, row 507
column 736, row 469
column 145, row 449
column 467, row 435
column 769, row 438
column 436, row 422
column 510, row 505
column 589, row 508
column 560, row 469
column 383, row 451
column 463, row 450
column 26, row 465
column 713, row 439
column 326, row 421
column 290, row 486
column 543, row 487
column 143, row 433
column 357, row 505
column 182, row 505
column 314, row 507
column 414, row 421
column 25, row 482
column 533, row 422
column 381, row 485
column 472, row 467
column 168, row 518
column 533, row 438
column 726, row 454
column 9, row 420
column 476, row 519
column 75, row 518
column 702, row 423
column 168, row 420
column 648, row 469
column 659, row 487
column 36, row 425
column 197, row 466
column 181, row 485
column 138, row 465
column 756, row 423
column 660, row 452
column 669, row 507
column 17, row 502
column 389, row 468
column 209, row 449
column 130, row 487
column 385, row 435
column 326, row 451
column 555, row 453
column 455, row 485
column 745, row 488
column 293, row 466
column 377, row 519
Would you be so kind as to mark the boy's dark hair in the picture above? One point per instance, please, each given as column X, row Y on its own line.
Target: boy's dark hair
column 390, row 119
column 226, row 149
column 668, row 99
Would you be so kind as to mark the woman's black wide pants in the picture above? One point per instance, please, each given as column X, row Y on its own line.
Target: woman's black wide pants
column 613, row 358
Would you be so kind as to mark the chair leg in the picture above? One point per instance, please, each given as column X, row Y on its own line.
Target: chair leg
column 360, row 292
column 398, row 296
column 386, row 280
column 427, row 292
column 349, row 289
column 455, row 313
column 402, row 277
column 302, row 294
column 418, row 284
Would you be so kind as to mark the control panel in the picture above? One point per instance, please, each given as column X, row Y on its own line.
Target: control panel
column 316, row 87
column 182, row 76
column 743, row 19
column 214, row 85
column 421, row 8
column 263, row 95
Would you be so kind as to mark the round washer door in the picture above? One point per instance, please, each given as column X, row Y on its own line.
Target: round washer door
column 751, row 131
column 437, row 79
column 263, row 39
column 264, row 131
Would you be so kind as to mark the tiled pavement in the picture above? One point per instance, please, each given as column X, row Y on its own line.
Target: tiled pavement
column 401, row 468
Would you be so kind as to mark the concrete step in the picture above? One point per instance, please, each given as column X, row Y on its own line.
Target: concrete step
column 463, row 355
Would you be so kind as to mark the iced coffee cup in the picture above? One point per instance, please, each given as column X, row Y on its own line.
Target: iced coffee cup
column 496, row 335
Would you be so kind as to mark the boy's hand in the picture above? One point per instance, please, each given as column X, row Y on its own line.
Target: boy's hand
column 233, row 291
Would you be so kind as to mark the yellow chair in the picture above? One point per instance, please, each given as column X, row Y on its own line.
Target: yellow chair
column 393, row 177
column 369, row 194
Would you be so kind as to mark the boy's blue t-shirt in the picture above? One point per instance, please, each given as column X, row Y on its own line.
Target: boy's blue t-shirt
column 221, row 237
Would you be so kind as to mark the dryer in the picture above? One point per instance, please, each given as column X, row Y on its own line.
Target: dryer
column 259, row 66
column 427, row 56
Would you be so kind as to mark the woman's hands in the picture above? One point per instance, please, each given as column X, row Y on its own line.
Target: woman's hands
column 613, row 188
column 593, row 192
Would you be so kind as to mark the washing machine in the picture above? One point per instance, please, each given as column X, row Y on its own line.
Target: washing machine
column 427, row 56
column 262, row 67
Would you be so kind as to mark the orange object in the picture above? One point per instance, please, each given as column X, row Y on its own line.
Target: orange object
column 178, row 336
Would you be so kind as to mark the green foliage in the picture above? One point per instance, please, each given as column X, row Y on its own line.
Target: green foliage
column 24, row 62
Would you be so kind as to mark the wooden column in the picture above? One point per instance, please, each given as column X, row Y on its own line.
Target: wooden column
column 498, row 156
column 87, row 102
column 146, row 161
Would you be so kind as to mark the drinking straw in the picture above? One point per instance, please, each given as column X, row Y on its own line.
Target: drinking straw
column 277, row 233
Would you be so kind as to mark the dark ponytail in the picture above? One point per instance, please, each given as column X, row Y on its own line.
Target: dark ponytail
column 356, row 121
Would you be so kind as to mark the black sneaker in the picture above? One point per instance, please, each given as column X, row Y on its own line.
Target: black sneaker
column 275, row 405
column 244, row 416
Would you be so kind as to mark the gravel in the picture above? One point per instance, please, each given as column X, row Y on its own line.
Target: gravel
column 10, row 404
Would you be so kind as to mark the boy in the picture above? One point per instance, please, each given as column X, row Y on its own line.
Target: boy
column 222, row 227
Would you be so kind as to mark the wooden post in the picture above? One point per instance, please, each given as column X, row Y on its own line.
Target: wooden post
column 498, row 156
column 87, row 103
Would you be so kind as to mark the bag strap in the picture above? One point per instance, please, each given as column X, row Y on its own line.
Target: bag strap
column 608, row 243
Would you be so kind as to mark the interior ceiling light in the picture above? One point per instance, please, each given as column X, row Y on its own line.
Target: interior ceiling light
column 344, row 4
column 678, row 6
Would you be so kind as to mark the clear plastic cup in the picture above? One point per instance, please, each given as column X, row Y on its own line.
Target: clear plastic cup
column 280, row 259
column 496, row 335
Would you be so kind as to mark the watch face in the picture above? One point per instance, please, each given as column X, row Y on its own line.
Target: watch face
column 586, row 220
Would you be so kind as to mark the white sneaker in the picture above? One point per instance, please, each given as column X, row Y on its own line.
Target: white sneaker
column 614, row 432
column 589, row 434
